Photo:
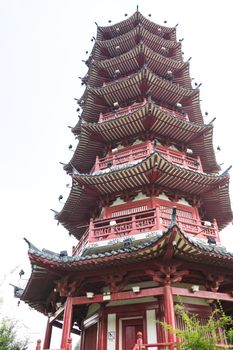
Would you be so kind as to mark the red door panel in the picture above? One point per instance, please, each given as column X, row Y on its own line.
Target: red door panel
column 90, row 338
column 129, row 332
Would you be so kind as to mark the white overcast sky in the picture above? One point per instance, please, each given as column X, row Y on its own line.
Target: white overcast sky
column 43, row 43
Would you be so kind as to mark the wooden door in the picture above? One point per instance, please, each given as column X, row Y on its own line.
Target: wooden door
column 90, row 338
column 129, row 332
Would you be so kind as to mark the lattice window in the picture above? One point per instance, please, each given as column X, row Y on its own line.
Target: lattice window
column 181, row 213
column 129, row 211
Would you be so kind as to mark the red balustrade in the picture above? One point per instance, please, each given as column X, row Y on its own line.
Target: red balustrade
column 104, row 117
column 175, row 113
column 121, row 112
column 179, row 158
column 121, row 157
column 68, row 347
column 160, row 346
column 143, row 150
column 165, row 346
column 147, row 221
column 81, row 243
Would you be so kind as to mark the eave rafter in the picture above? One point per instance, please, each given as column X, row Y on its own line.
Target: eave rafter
column 154, row 169
column 133, row 175
column 107, row 48
column 150, row 117
column 120, row 28
column 189, row 258
column 140, row 84
column 150, row 252
column 132, row 61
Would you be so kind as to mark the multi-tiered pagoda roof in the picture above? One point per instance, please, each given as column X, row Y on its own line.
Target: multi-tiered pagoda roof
column 138, row 86
column 147, row 200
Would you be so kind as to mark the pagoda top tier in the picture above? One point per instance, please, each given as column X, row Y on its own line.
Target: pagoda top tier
column 120, row 28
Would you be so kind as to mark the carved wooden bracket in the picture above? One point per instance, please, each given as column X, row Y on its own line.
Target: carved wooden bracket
column 128, row 195
column 151, row 190
column 115, row 282
column 66, row 287
column 106, row 200
column 213, row 281
column 167, row 274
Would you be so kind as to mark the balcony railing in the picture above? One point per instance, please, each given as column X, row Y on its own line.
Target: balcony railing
column 67, row 347
column 180, row 158
column 104, row 117
column 146, row 221
column 81, row 243
column 121, row 157
column 121, row 112
column 175, row 113
column 166, row 346
column 141, row 151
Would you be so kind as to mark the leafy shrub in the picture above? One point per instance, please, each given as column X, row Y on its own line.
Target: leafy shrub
column 196, row 336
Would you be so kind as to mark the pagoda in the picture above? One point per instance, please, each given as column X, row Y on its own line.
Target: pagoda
column 147, row 201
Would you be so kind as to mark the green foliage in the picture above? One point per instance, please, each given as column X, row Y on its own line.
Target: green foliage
column 8, row 335
column 199, row 336
column 77, row 347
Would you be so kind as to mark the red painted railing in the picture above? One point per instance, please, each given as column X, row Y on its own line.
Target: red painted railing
column 175, row 113
column 160, row 346
column 121, row 157
column 144, row 150
column 104, row 117
column 68, row 346
column 81, row 243
column 121, row 112
column 180, row 158
column 146, row 221
column 165, row 346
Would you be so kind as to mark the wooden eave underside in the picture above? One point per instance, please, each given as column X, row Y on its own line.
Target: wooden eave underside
column 132, row 61
column 218, row 205
column 155, row 169
column 107, row 48
column 39, row 287
column 130, row 23
column 140, row 84
column 186, row 249
column 199, row 137
column 77, row 210
column 197, row 258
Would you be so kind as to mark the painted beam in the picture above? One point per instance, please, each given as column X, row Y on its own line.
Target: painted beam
column 150, row 292
column 203, row 294
column 119, row 296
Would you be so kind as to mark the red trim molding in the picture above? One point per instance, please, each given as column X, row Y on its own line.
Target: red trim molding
column 150, row 292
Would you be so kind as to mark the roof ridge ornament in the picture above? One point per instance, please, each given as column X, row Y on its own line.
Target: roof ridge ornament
column 226, row 172
column 18, row 291
column 30, row 245
column 74, row 170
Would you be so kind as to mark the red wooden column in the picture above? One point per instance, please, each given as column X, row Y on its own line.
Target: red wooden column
column 102, row 331
column 48, row 334
column 162, row 337
column 67, row 319
column 169, row 312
